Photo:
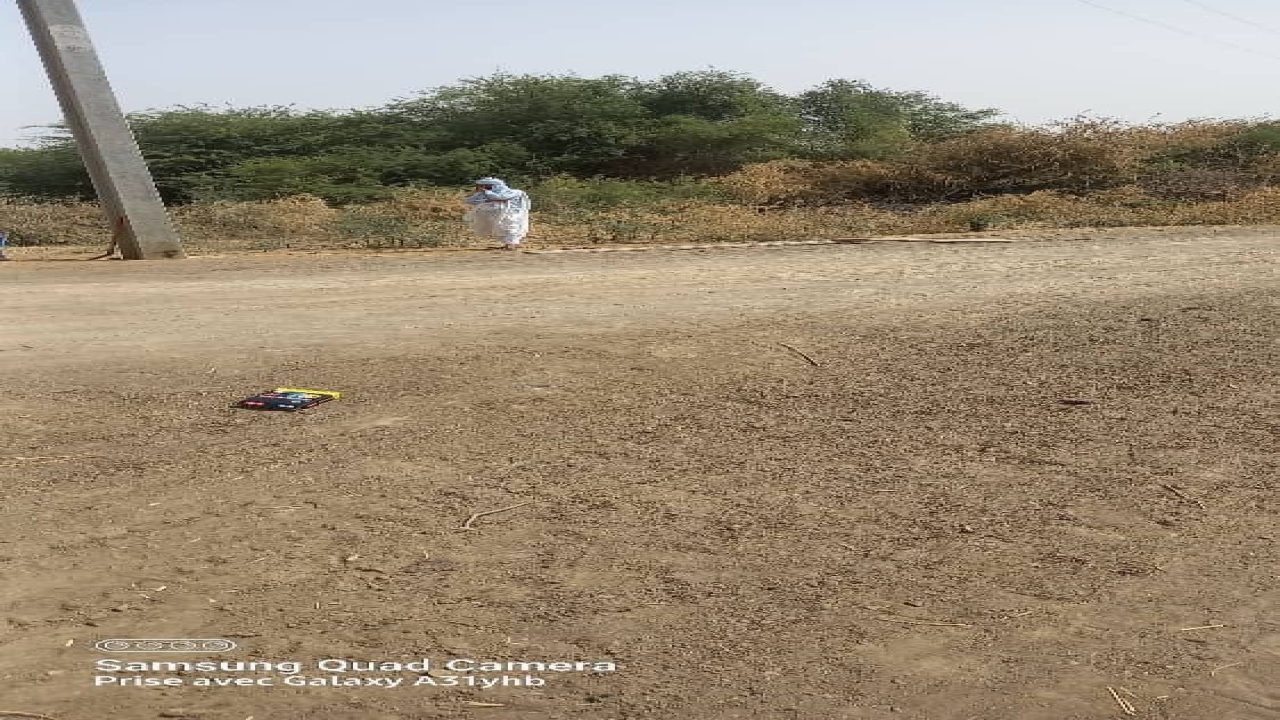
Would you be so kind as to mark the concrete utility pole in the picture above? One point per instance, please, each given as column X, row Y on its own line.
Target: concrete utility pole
column 140, row 224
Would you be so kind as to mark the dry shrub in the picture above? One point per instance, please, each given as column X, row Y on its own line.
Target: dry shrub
column 1203, row 160
column 855, row 181
column 1191, row 142
column 692, row 223
column 1045, row 209
column 1260, row 207
column 422, row 205
column 1204, row 183
column 1079, row 156
column 377, row 227
column 264, row 224
column 735, row 223
column 1267, row 168
column 772, row 183
column 29, row 222
column 609, row 226
column 409, row 218
column 709, row 223
column 815, row 184
column 1120, row 207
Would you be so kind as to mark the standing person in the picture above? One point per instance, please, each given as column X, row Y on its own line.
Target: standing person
column 499, row 212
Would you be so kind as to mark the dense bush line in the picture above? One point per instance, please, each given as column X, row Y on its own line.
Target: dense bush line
column 691, row 124
column 690, row 156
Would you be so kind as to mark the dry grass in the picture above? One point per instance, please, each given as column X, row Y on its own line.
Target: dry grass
column 1187, row 161
column 233, row 227
column 45, row 223
column 428, row 220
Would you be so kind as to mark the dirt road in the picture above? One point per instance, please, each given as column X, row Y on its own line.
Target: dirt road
column 1033, row 481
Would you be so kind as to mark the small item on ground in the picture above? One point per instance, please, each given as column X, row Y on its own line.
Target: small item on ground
column 289, row 399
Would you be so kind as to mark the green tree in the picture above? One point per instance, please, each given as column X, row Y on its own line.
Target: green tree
column 524, row 127
column 52, row 170
column 191, row 149
column 849, row 119
column 712, row 95
column 684, row 146
column 565, row 124
column 710, row 122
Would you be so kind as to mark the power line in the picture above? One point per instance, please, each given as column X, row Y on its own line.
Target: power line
column 1180, row 31
column 1232, row 16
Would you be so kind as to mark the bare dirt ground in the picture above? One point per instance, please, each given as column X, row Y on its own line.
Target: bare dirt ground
column 1015, row 478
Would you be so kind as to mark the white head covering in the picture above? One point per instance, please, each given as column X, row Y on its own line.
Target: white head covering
column 499, row 188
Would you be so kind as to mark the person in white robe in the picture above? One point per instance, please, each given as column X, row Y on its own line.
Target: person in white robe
column 499, row 212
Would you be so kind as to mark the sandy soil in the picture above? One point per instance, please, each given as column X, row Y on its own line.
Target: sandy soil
column 1010, row 481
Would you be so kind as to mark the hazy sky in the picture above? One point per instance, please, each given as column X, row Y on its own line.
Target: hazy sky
column 1036, row 59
